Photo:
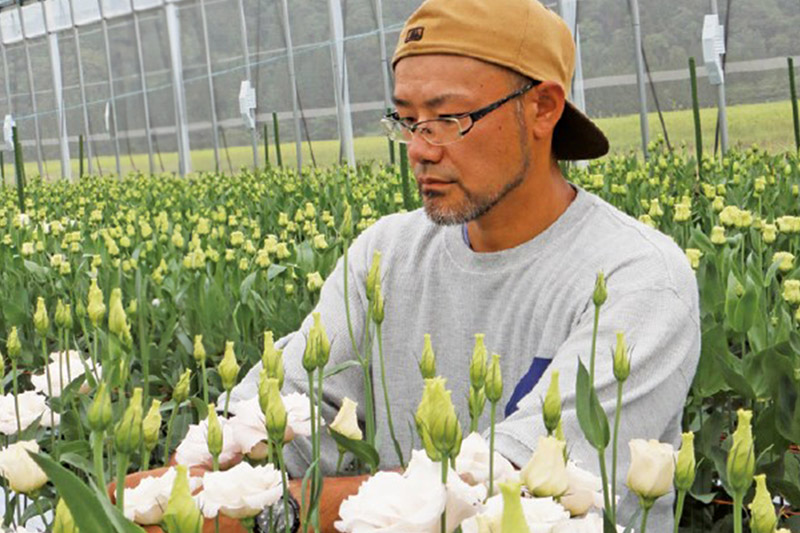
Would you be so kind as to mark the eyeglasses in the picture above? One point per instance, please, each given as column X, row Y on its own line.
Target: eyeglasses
column 446, row 129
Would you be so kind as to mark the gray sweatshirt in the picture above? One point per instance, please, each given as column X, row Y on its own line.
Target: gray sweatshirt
column 534, row 304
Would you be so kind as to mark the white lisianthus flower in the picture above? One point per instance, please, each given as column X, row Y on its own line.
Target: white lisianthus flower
column 249, row 429
column 346, row 421
column 585, row 491
column 64, row 368
column 541, row 514
column 32, row 405
column 145, row 503
column 241, row 492
column 472, row 463
column 652, row 468
column 22, row 472
column 546, row 472
column 193, row 450
column 591, row 523
column 410, row 503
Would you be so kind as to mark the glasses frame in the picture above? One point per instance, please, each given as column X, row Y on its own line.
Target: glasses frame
column 393, row 118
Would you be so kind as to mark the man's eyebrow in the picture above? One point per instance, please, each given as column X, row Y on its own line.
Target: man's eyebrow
column 434, row 102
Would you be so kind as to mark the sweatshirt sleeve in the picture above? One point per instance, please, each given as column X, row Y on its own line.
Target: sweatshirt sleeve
column 663, row 333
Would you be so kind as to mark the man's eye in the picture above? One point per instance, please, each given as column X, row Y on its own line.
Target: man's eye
column 408, row 121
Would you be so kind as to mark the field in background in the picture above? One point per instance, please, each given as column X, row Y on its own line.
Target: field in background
column 768, row 125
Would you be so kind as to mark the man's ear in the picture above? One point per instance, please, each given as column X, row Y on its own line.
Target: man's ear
column 545, row 109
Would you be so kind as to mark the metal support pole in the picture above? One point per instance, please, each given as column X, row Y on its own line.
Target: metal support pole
column 209, row 75
column 174, row 34
column 637, row 37
column 32, row 88
column 795, row 112
column 84, row 107
column 246, row 53
column 113, row 125
column 342, row 96
column 8, row 85
column 143, row 79
column 58, row 94
column 385, row 67
column 721, row 104
column 287, row 33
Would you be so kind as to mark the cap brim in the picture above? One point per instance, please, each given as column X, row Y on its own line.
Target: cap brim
column 576, row 137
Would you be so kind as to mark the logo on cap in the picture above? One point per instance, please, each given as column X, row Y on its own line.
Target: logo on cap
column 414, row 34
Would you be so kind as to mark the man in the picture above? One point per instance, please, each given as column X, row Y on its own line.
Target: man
column 507, row 247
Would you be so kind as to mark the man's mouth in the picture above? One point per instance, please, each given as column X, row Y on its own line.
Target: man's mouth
column 433, row 185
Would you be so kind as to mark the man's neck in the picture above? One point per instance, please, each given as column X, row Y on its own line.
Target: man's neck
column 522, row 215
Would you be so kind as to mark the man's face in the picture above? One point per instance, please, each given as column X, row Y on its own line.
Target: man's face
column 462, row 181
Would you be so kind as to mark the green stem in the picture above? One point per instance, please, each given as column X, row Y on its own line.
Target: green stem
column 97, row 453
column 644, row 518
column 215, row 468
column 227, row 402
column 444, row 483
column 205, row 382
column 604, row 475
column 146, row 460
column 397, row 448
column 285, row 483
column 737, row 513
column 122, row 469
column 144, row 341
column 679, row 509
column 617, row 417
column 594, row 343
column 53, row 448
column 493, row 417
column 314, row 451
column 16, row 398
column 347, row 302
column 318, row 469
column 169, row 433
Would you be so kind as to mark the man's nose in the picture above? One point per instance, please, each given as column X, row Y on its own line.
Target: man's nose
column 421, row 151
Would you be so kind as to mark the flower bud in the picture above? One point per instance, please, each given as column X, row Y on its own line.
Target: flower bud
column 685, row 463
column 376, row 305
column 272, row 359
column 346, row 229
column 551, row 410
column 40, row 318
column 346, row 421
column 22, row 473
column 652, row 470
column 128, row 431
column 477, row 402
column 741, row 457
column 13, row 345
column 182, row 513
column 310, row 353
column 151, row 425
column 99, row 414
column 63, row 521
column 494, row 380
column 214, row 436
column 374, row 275
column 60, row 317
column 96, row 308
column 477, row 367
column 181, row 391
column 447, row 434
column 762, row 511
column 275, row 411
column 323, row 345
column 117, row 319
column 622, row 363
column 228, row 369
column 513, row 516
column 199, row 351
column 427, row 365
column 432, row 408
column 600, row 291
column 545, row 475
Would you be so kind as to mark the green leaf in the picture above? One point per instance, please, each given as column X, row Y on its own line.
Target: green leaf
column 274, row 271
column 592, row 418
column 703, row 498
column 245, row 287
column 341, row 367
column 730, row 369
column 361, row 449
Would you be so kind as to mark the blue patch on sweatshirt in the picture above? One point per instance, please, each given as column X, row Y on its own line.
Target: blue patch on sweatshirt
column 526, row 384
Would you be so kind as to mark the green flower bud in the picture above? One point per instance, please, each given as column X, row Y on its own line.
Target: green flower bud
column 214, row 436
column 263, row 390
column 513, row 517
column 447, row 435
column 310, row 353
column 275, row 412
column 80, row 309
column 117, row 319
column 741, row 457
column 376, row 306
column 99, row 414
column 494, row 380
column 2, row 367
column 67, row 316
column 63, row 522
column 96, row 308
column 182, row 514
column 600, row 291
column 40, row 318
column 551, row 410
column 477, row 402
column 427, row 365
column 477, row 367
column 60, row 318
column 128, row 431
column 272, row 359
column 151, row 425
column 199, row 351
column 228, row 369
column 374, row 275
column 133, row 307
column 13, row 345
column 622, row 363
column 436, row 420
column 181, row 391
column 685, row 467
column 762, row 511
column 346, row 229
column 324, row 345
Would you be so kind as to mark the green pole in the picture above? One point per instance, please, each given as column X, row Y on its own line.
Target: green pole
column 698, row 134
column 391, row 144
column 19, row 169
column 277, row 139
column 2, row 169
column 404, row 176
column 795, row 115
column 266, row 146
column 80, row 156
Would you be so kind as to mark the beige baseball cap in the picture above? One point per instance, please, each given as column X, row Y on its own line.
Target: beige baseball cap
column 521, row 35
